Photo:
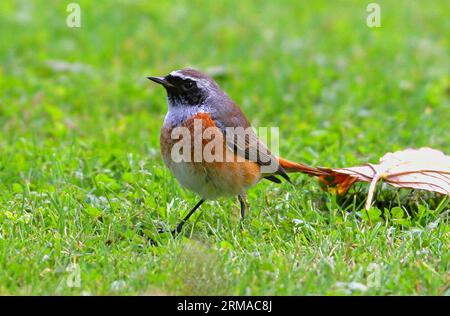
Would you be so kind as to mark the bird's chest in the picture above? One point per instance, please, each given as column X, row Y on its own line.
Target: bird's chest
column 184, row 150
column 197, row 155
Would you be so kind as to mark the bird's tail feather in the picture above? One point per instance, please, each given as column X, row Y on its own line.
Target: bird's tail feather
column 290, row 166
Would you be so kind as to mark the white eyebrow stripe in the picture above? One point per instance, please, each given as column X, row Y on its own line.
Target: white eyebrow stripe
column 178, row 74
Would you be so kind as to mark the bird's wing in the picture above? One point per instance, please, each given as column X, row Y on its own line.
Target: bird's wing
column 243, row 141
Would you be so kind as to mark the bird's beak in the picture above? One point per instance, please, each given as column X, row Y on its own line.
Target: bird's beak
column 162, row 81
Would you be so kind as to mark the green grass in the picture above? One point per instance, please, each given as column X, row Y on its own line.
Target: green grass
column 82, row 181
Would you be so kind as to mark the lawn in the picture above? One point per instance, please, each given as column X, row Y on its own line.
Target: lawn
column 83, row 189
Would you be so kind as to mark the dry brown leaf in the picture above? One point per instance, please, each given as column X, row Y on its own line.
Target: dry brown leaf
column 424, row 169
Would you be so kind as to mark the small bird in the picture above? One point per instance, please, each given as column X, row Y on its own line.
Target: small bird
column 193, row 97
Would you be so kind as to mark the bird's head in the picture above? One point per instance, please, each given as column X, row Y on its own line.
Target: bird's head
column 188, row 88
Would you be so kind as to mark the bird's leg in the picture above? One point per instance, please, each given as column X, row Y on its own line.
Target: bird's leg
column 185, row 219
column 243, row 204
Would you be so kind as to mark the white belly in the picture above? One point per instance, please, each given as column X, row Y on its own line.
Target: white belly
column 198, row 180
column 210, row 183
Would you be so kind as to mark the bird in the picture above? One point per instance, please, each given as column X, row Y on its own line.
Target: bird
column 203, row 113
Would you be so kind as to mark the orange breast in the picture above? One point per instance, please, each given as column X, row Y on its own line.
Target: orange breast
column 212, row 170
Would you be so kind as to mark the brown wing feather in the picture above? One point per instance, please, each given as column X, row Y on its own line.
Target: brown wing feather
column 248, row 146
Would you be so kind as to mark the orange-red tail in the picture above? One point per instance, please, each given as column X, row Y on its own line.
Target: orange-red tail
column 290, row 166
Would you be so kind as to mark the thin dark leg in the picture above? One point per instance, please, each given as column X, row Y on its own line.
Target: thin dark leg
column 241, row 199
column 185, row 219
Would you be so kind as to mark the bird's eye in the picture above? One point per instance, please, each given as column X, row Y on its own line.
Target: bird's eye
column 188, row 85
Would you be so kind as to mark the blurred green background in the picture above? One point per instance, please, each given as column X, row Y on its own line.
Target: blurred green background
column 82, row 182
